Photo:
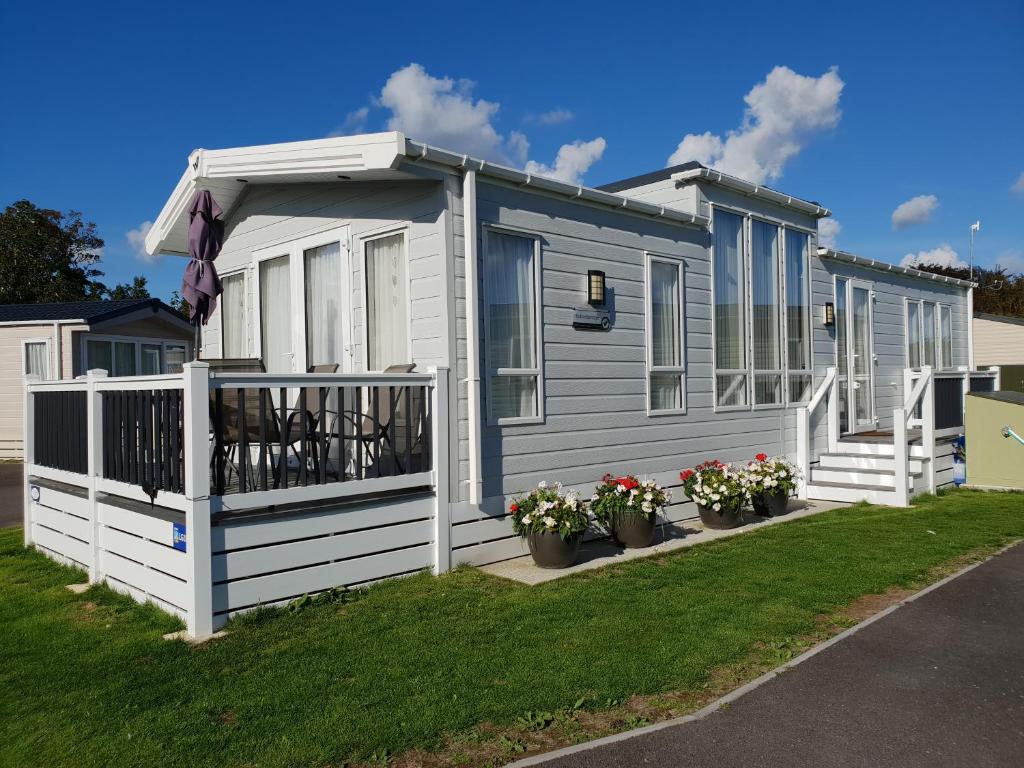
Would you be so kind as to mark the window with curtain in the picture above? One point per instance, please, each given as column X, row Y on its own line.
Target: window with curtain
column 175, row 357
column 914, row 334
column 928, row 333
column 945, row 336
column 37, row 359
column 387, row 304
column 324, row 327
column 798, row 317
column 512, row 355
column 665, row 335
column 234, row 329
column 765, row 294
column 276, row 314
column 730, row 309
column 151, row 359
column 842, row 354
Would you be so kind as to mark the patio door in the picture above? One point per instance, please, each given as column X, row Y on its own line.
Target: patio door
column 855, row 360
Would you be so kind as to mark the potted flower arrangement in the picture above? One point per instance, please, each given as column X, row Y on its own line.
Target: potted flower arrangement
column 772, row 482
column 719, row 492
column 628, row 508
column 552, row 522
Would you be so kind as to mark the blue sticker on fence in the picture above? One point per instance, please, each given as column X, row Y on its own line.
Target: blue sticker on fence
column 178, row 536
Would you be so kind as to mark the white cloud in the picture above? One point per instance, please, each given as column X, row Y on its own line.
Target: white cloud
column 943, row 256
column 572, row 161
column 518, row 147
column 1012, row 261
column 828, row 231
column 783, row 113
column 137, row 241
column 355, row 122
column 916, row 210
column 551, row 117
column 1018, row 185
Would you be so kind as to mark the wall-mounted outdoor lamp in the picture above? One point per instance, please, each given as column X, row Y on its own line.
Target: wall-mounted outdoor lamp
column 830, row 314
column 595, row 287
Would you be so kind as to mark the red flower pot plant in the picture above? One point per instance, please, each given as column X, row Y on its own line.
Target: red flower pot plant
column 628, row 508
column 553, row 522
column 719, row 491
column 772, row 482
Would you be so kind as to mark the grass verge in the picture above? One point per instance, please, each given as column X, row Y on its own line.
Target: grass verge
column 463, row 669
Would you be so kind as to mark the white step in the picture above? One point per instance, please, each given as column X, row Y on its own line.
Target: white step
column 879, row 478
column 838, row 492
column 864, row 461
column 875, row 449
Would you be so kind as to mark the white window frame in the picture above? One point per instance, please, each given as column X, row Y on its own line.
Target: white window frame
column 937, row 338
column 49, row 356
column 487, row 229
column 138, row 341
column 680, row 370
column 748, row 322
column 295, row 251
column 368, row 237
column 808, row 326
column 244, row 272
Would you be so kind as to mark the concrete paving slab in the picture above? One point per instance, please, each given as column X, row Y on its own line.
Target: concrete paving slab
column 602, row 552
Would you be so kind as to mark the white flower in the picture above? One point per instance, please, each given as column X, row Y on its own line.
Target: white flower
column 549, row 522
column 620, row 488
column 542, row 484
column 717, row 507
column 648, row 496
column 721, row 488
column 646, row 507
column 595, row 497
column 526, row 519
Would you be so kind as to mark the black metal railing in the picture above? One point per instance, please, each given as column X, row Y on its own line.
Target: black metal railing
column 275, row 437
column 144, row 439
column 949, row 402
column 60, row 430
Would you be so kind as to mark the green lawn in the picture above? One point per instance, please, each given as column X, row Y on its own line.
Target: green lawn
column 86, row 680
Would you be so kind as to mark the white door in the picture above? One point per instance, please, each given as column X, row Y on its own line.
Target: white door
column 855, row 355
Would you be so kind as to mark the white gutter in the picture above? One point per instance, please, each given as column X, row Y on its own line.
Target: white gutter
column 751, row 190
column 469, row 240
column 884, row 266
column 423, row 152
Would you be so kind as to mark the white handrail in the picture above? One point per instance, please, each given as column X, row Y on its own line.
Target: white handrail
column 918, row 391
column 300, row 380
column 821, row 391
column 804, row 438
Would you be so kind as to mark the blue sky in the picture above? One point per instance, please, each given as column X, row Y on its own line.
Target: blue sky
column 876, row 104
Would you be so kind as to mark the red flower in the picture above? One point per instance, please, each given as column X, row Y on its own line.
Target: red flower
column 607, row 477
column 514, row 508
column 762, row 457
column 685, row 475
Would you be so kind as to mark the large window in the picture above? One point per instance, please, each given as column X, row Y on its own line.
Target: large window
column 766, row 302
column 324, row 305
column 798, row 316
column 276, row 314
column 730, row 306
column 37, row 358
column 232, row 311
column 929, row 334
column 511, row 277
column 387, row 304
column 123, row 356
column 665, row 335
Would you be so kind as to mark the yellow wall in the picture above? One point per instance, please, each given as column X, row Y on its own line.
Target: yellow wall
column 994, row 461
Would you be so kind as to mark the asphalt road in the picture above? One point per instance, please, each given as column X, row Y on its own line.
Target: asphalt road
column 11, row 510
column 939, row 682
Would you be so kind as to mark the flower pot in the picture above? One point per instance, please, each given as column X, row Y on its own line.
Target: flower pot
column 634, row 531
column 725, row 518
column 550, row 550
column 771, row 504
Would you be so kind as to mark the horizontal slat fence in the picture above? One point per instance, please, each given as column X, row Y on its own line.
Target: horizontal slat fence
column 143, row 438
column 60, row 430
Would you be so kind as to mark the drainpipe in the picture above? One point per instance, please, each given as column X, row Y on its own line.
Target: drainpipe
column 57, row 344
column 472, row 331
column 970, row 328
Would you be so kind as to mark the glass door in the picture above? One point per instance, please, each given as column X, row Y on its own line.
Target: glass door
column 855, row 356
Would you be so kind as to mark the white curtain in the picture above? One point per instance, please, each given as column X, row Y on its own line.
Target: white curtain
column 666, row 329
column 276, row 314
column 946, row 336
column 37, row 359
column 730, row 300
column 928, row 323
column 511, row 322
column 232, row 309
column 387, row 312
column 798, row 304
column 324, row 328
column 765, row 291
column 914, row 334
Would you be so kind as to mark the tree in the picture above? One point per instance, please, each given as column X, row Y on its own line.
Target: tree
column 998, row 293
column 178, row 302
column 50, row 256
column 136, row 289
column 46, row 255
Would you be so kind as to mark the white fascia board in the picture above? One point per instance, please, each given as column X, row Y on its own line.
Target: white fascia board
column 226, row 172
column 425, row 153
column 884, row 266
column 751, row 190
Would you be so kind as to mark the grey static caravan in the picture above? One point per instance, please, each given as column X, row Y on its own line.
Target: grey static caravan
column 409, row 337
